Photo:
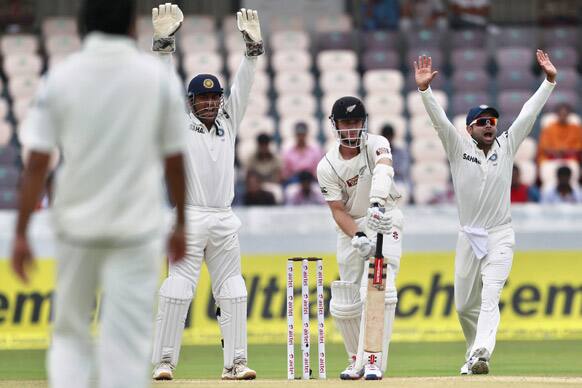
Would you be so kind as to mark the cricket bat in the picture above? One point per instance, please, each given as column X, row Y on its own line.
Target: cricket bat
column 374, row 306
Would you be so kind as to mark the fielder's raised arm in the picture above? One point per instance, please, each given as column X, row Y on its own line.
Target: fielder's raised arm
column 423, row 75
column 524, row 122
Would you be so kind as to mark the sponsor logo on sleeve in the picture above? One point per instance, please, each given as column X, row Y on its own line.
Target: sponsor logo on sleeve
column 323, row 190
column 382, row 151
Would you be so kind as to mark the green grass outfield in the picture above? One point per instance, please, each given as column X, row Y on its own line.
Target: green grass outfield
column 517, row 358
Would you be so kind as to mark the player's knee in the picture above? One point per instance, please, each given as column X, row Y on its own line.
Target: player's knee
column 232, row 288
column 345, row 300
column 177, row 288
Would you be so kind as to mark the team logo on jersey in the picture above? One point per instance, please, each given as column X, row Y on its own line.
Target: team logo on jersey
column 219, row 132
column 381, row 151
column 352, row 181
column 395, row 235
column 351, row 108
column 208, row 83
column 493, row 157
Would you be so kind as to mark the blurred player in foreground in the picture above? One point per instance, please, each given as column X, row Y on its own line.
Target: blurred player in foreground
column 116, row 116
column 352, row 176
column 212, row 225
column 481, row 167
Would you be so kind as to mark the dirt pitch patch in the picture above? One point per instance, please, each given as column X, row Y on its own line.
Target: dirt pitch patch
column 392, row 382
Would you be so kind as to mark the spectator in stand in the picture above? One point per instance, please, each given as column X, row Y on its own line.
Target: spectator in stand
column 264, row 162
column 564, row 192
column 423, row 14
column 464, row 14
column 255, row 194
column 380, row 14
column 302, row 156
column 561, row 139
column 400, row 157
column 306, row 192
column 522, row 193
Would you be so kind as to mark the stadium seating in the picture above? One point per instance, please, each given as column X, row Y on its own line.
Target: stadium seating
column 308, row 65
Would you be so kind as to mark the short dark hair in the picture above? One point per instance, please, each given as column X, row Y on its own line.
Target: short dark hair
column 110, row 17
column 387, row 130
column 564, row 171
column 305, row 176
column 263, row 138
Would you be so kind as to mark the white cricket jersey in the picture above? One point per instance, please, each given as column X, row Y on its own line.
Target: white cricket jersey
column 482, row 183
column 350, row 180
column 210, row 154
column 115, row 114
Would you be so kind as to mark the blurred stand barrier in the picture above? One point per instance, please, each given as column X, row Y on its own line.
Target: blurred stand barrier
column 542, row 299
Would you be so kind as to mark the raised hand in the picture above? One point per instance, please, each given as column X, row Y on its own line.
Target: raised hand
column 247, row 21
column 423, row 73
column 167, row 19
column 546, row 65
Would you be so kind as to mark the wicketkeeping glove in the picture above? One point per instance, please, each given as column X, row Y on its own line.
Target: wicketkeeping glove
column 247, row 21
column 379, row 221
column 167, row 19
column 363, row 245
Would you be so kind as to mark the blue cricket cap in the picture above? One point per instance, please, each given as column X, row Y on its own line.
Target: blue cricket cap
column 479, row 110
column 204, row 83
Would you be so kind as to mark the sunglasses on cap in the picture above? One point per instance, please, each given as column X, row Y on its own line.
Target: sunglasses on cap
column 483, row 121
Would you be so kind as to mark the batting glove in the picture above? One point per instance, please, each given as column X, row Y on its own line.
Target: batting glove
column 167, row 19
column 247, row 21
column 379, row 221
column 363, row 245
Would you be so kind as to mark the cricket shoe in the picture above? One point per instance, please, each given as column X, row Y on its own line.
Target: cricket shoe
column 480, row 362
column 239, row 371
column 351, row 373
column 372, row 372
column 163, row 371
column 466, row 368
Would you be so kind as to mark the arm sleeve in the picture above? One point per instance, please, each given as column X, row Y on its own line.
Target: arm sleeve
column 174, row 120
column 328, row 184
column 450, row 137
column 236, row 105
column 39, row 129
column 524, row 122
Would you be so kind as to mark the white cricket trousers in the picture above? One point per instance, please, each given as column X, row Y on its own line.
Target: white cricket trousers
column 478, row 285
column 128, row 277
column 211, row 236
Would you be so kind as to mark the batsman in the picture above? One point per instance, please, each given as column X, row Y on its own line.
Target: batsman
column 356, row 179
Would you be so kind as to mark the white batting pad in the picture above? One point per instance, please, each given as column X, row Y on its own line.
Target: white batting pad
column 175, row 297
column 346, row 309
column 232, row 300
column 390, row 300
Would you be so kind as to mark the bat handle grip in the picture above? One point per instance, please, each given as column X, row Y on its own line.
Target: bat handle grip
column 379, row 237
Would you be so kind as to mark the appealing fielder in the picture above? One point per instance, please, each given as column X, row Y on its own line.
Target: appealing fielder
column 108, row 212
column 481, row 168
column 352, row 176
column 212, row 226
